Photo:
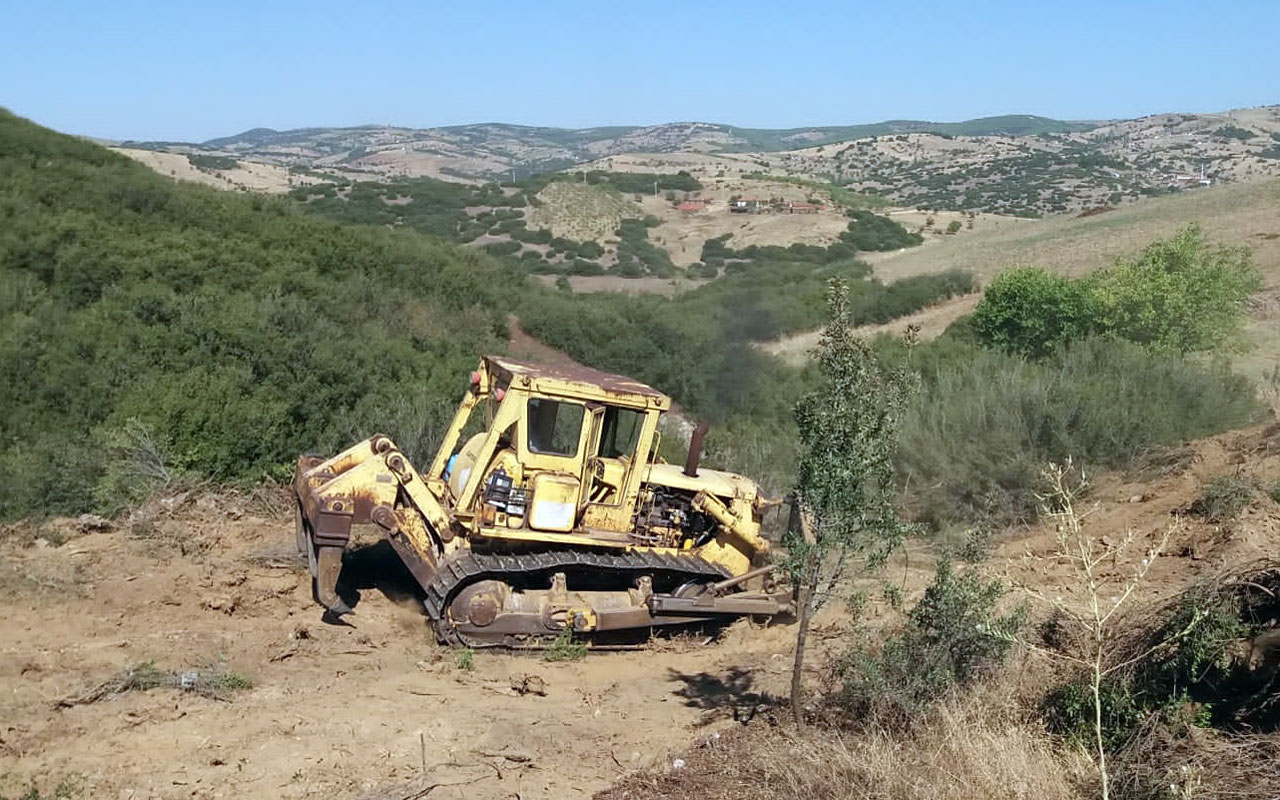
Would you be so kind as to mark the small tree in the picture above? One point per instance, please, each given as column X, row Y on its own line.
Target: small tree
column 843, row 493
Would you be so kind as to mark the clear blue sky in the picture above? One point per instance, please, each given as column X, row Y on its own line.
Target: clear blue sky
column 192, row 71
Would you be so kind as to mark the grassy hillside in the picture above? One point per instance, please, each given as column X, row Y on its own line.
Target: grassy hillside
column 1245, row 213
column 1237, row 214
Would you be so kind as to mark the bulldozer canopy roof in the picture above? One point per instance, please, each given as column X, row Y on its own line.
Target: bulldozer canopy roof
column 578, row 381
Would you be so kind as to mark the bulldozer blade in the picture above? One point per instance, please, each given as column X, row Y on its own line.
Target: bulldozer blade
column 328, row 566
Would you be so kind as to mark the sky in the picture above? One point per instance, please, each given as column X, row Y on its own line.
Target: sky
column 185, row 71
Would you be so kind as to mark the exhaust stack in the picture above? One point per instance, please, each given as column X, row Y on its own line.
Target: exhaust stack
column 695, row 450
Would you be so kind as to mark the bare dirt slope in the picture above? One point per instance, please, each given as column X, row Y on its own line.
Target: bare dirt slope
column 335, row 711
column 204, row 582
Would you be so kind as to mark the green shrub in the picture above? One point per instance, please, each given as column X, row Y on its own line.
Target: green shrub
column 984, row 422
column 238, row 330
column 952, row 637
column 1186, row 676
column 1180, row 294
column 636, row 255
column 1069, row 711
column 505, row 248
column 1233, row 132
column 466, row 660
column 209, row 163
column 641, row 183
column 1033, row 312
column 871, row 232
column 565, row 648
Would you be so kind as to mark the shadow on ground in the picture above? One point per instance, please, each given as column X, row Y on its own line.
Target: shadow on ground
column 377, row 567
column 725, row 695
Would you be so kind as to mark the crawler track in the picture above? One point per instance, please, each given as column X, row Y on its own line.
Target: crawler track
column 466, row 567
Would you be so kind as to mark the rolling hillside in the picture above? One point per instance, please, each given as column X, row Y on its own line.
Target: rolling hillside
column 1242, row 214
column 1016, row 164
column 487, row 149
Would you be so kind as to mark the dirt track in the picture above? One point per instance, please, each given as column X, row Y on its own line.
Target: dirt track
column 350, row 711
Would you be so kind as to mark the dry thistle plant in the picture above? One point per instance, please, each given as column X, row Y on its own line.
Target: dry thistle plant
column 1103, row 598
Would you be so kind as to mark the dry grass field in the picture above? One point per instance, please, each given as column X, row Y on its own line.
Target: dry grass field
column 1236, row 214
column 249, row 176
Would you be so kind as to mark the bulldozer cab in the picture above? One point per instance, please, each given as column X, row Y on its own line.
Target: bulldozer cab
column 564, row 449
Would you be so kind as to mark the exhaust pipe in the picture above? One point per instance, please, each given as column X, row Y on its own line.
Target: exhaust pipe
column 695, row 450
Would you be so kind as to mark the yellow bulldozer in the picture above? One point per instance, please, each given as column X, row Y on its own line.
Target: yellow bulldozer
column 546, row 509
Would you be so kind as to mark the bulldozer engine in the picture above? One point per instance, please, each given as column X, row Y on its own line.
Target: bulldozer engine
column 557, row 514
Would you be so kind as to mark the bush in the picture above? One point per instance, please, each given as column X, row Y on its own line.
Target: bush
column 1179, row 295
column 1233, row 132
column 565, row 648
column 208, row 163
column 952, row 637
column 871, row 232
column 985, row 422
column 1185, row 669
column 504, row 248
column 1223, row 498
column 1033, row 312
column 235, row 329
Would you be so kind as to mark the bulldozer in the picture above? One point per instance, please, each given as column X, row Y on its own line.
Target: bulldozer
column 547, row 512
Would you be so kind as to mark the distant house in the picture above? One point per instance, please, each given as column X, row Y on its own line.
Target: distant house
column 691, row 206
column 746, row 205
column 803, row 208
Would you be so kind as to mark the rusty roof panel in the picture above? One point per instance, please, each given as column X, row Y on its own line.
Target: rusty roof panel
column 614, row 384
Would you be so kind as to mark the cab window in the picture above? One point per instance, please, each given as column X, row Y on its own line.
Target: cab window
column 554, row 427
column 620, row 428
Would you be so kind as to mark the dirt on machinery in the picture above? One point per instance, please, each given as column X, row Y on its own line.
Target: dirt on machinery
column 206, row 590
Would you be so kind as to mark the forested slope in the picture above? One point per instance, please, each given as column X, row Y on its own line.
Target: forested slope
column 236, row 330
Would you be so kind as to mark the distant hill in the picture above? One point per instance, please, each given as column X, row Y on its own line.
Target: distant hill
column 1017, row 164
column 484, row 150
column 766, row 140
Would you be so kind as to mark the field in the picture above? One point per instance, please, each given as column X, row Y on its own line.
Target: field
column 210, row 584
